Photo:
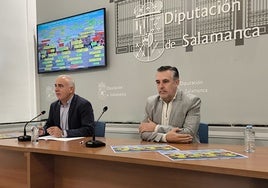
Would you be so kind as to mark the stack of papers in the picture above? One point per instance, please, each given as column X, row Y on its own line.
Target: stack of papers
column 58, row 139
column 175, row 154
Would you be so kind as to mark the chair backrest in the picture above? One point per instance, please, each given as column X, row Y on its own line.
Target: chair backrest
column 203, row 133
column 100, row 129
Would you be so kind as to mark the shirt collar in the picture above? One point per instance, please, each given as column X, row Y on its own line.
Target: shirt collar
column 68, row 102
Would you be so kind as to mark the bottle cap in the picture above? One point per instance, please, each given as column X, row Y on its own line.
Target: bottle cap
column 249, row 126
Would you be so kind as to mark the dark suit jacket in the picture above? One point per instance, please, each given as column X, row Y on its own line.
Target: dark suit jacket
column 80, row 117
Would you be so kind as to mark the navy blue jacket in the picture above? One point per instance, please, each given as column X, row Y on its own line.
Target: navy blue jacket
column 80, row 117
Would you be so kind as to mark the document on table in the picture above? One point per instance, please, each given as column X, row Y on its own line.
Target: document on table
column 58, row 139
column 205, row 154
column 143, row 148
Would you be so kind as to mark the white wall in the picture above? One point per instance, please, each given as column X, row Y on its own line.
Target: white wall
column 229, row 79
column 18, row 97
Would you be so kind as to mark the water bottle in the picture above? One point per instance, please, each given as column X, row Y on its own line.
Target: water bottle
column 35, row 135
column 249, row 139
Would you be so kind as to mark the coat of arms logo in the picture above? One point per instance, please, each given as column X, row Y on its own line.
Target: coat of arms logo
column 148, row 31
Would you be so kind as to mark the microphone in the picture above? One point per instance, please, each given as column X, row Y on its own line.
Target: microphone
column 25, row 137
column 96, row 143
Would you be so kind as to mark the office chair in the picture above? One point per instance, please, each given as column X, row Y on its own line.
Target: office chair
column 100, row 129
column 203, row 133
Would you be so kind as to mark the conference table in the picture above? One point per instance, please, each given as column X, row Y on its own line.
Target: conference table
column 71, row 164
